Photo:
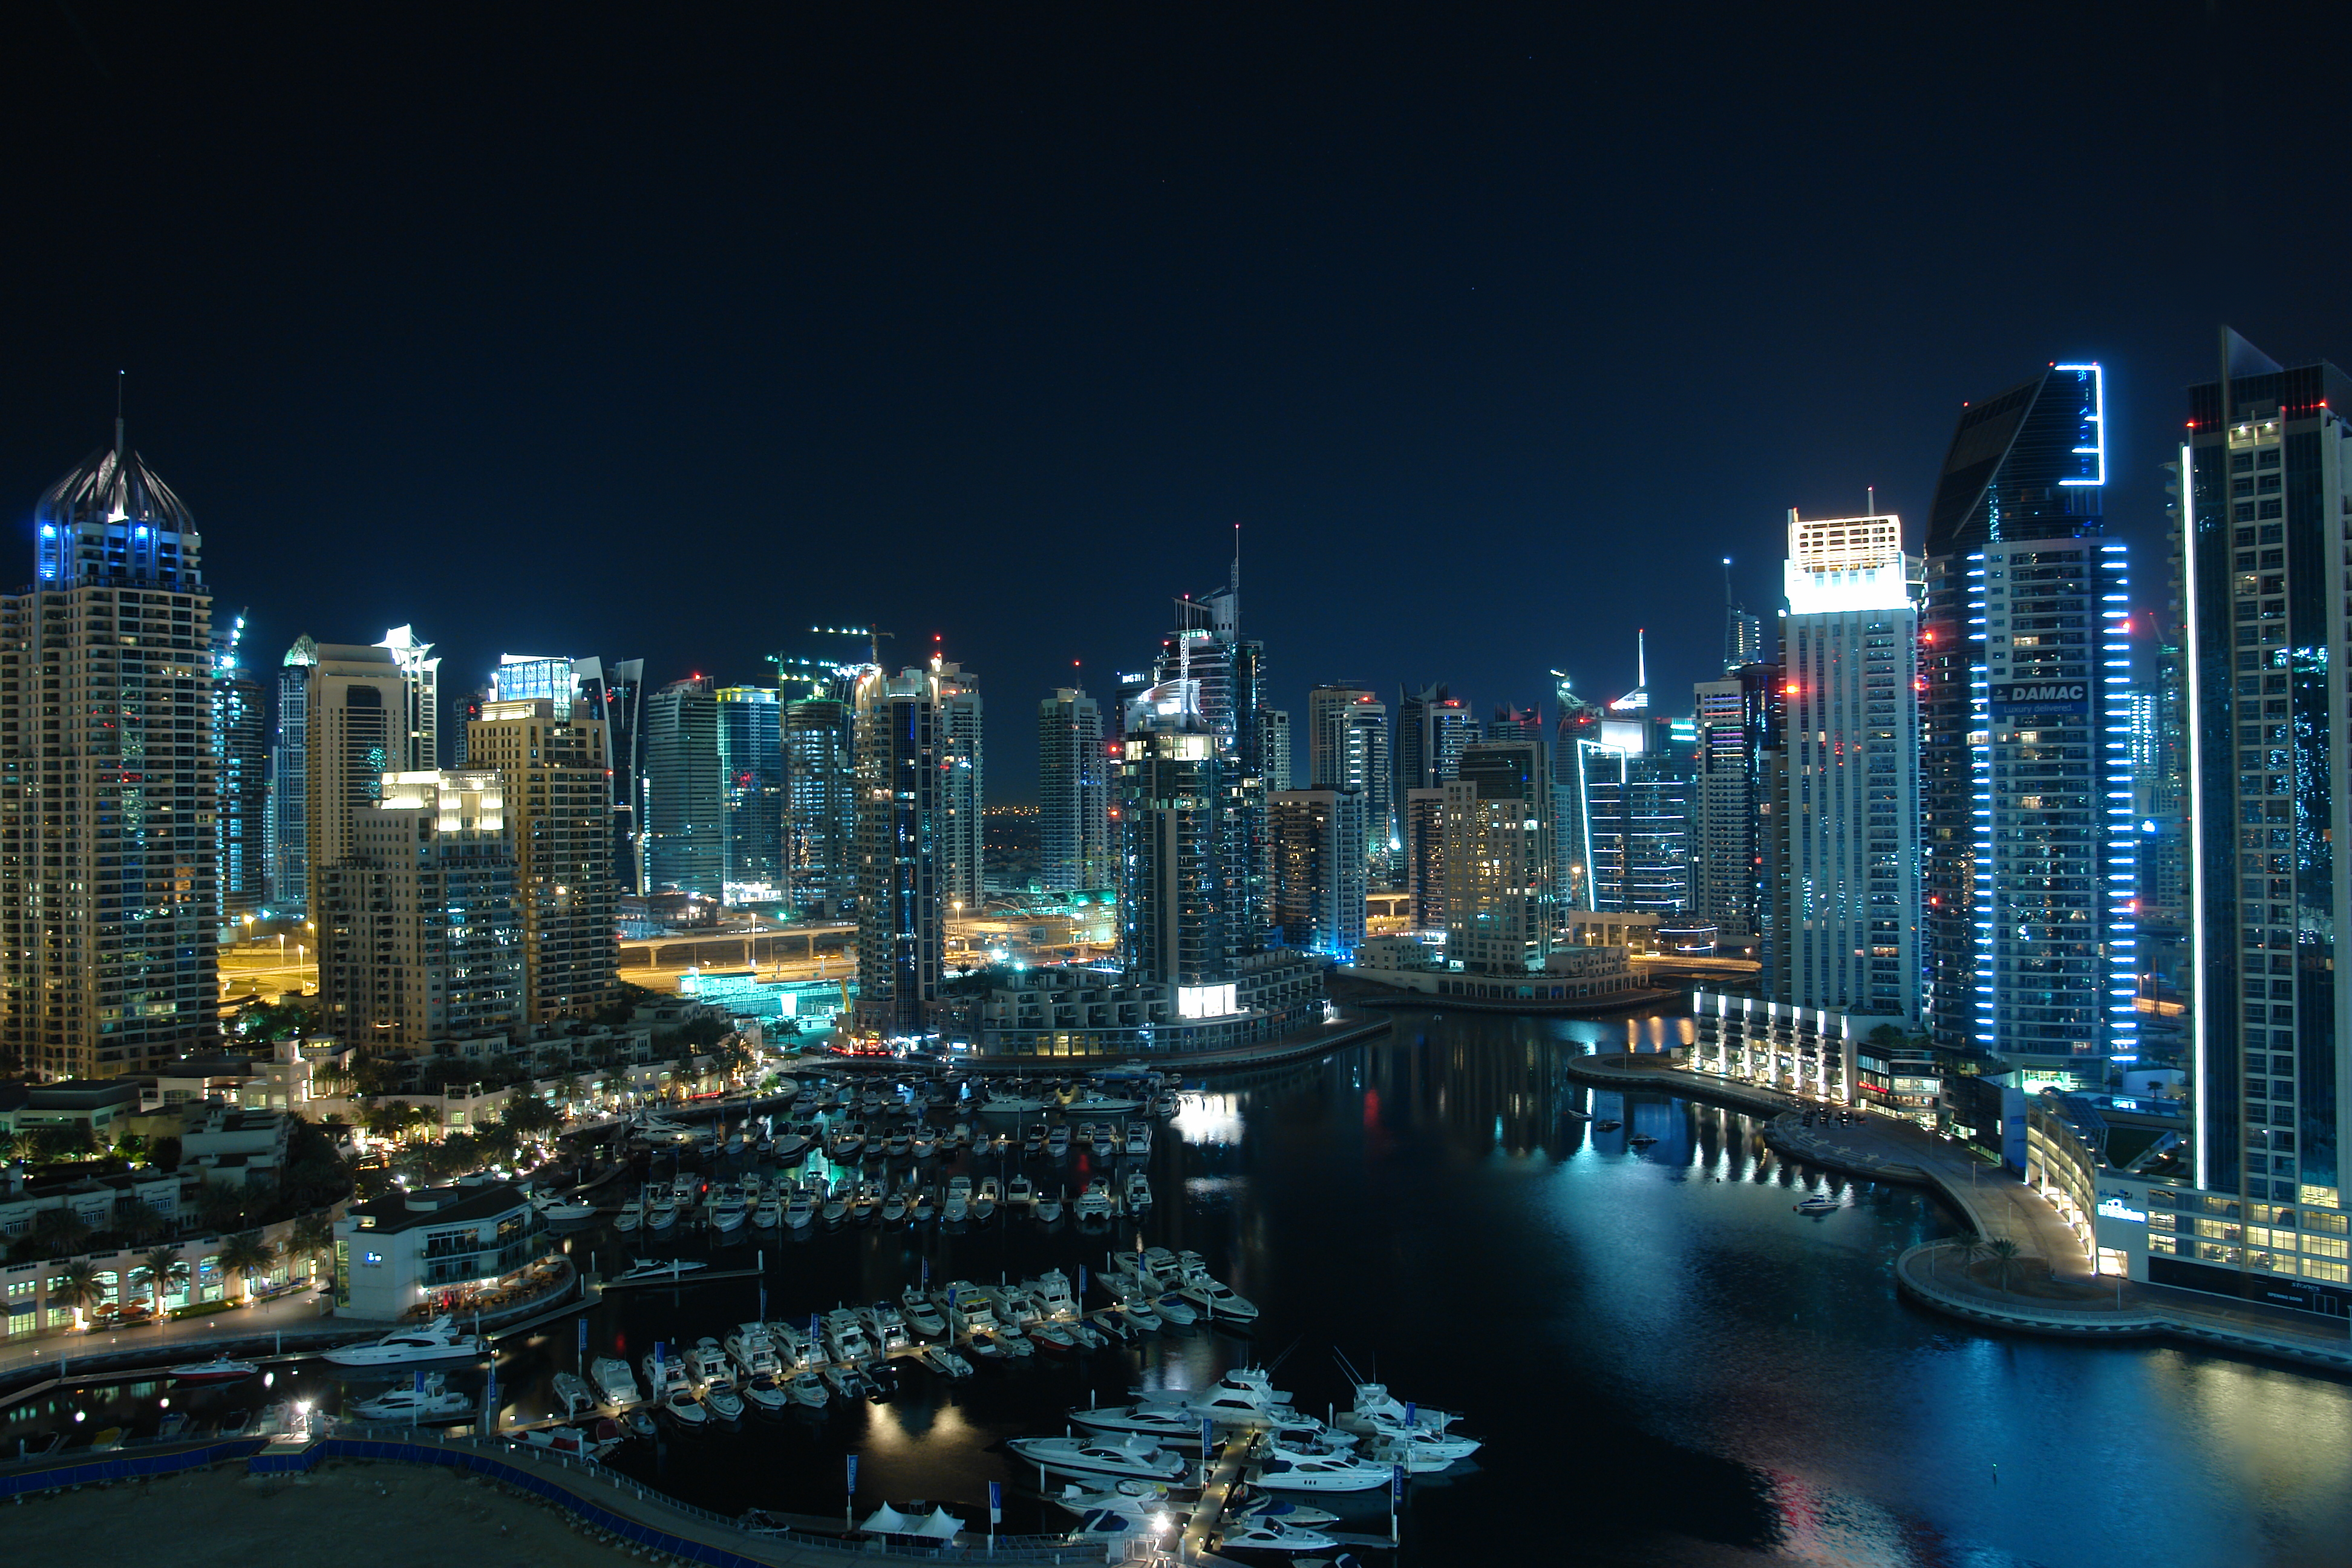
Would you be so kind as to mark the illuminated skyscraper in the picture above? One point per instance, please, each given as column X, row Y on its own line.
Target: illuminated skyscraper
column 1318, row 868
column 685, row 812
column 557, row 805
column 1499, row 876
column 1347, row 748
column 820, row 807
column 1432, row 726
column 1073, row 794
column 1274, row 747
column 365, row 716
column 1225, row 674
column 963, row 831
column 1420, row 824
column 420, row 926
column 290, row 789
column 241, row 771
column 108, row 858
column 1737, row 721
column 901, row 872
column 751, row 792
column 2025, row 773
column 2269, row 496
column 1845, row 931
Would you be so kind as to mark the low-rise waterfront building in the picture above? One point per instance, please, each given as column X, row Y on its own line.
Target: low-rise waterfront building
column 1814, row 1051
column 1081, row 1012
column 396, row 1253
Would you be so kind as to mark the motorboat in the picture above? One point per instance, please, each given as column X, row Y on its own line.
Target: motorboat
column 1138, row 1140
column 1169, row 1423
column 800, row 1210
column 1418, row 1449
column 923, row 1208
column 1144, row 1502
column 1137, row 1458
column 836, row 1209
column 958, row 1136
column 959, row 1188
column 899, row 1144
column 1272, row 1535
column 844, row 1334
column 1048, row 1207
column 639, row 1423
column 752, row 1352
column 889, row 1326
column 1607, row 1126
column 1021, row 1192
column 848, row 1141
column 437, row 1340
column 842, row 1382
column 944, row 1361
column 1051, row 1290
column 432, row 1401
column 718, row 1397
column 220, row 1369
column 997, row 1103
column 1251, row 1503
column 1214, row 1297
column 1290, row 1470
column 681, row 1406
column 808, row 1389
column 735, row 1142
column 706, row 1362
column 727, row 1211
column 629, row 1216
column 1640, row 1140
column 922, row 1316
column 561, row 1211
column 662, row 1268
column 769, row 1213
column 1137, row 1196
column 1057, row 1141
column 574, row 1391
column 767, row 1391
column 1139, row 1311
column 984, row 1201
column 662, row 1212
column 791, row 1146
column 615, row 1383
column 1094, row 1202
column 1094, row 1102
column 1375, row 1406
column 864, row 1203
column 1820, row 1203
column 894, row 1208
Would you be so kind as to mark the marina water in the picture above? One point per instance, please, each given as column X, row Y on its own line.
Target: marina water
column 1668, row 1364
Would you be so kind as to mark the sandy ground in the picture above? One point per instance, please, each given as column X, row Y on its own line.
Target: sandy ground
column 386, row 1516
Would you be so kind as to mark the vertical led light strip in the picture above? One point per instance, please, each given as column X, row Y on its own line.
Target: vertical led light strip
column 2196, row 827
column 2098, row 417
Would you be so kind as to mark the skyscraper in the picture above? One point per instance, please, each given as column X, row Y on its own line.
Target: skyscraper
column 357, row 729
column 1635, row 796
column 420, row 929
column 289, row 788
column 1737, row 718
column 1499, row 876
column 420, row 694
column 241, row 772
column 1318, row 868
column 2267, row 498
column 901, row 873
column 820, row 807
column 1420, row 824
column 616, row 695
column 1846, row 930
column 1274, row 747
column 1073, row 792
column 1347, row 748
column 964, row 841
column 1177, row 816
column 1431, row 728
column 685, row 804
column 552, row 762
column 1225, row 676
column 2025, row 776
column 751, row 792
column 108, row 860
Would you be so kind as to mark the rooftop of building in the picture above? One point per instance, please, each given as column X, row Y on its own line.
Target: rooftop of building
column 110, row 484
column 69, row 1094
column 436, row 1206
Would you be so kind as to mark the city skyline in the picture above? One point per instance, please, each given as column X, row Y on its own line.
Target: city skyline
column 1092, row 353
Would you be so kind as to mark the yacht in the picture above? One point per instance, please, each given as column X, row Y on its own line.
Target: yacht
column 809, row 1390
column 958, row 1136
column 1607, row 1126
column 944, row 1361
column 925, row 1144
column 1138, row 1140
column 889, row 1326
column 800, row 1210
column 437, row 1340
column 561, row 1211
column 630, row 1215
column 848, row 1141
column 1021, row 1192
column 845, row 1339
column 1033, row 1138
column 706, row 1362
column 999, row 1103
column 1375, row 1406
column 1289, row 1471
column 615, row 1383
column 923, row 1208
column 1094, row 1202
column 922, row 1318
column 663, row 1267
column 791, row 1146
column 1272, row 1535
column 727, row 1211
column 1057, row 1141
column 681, row 1406
column 574, row 1391
column 662, row 1212
column 1094, row 1102
column 432, row 1402
column 1048, row 1207
column 1214, row 1299
column 1640, row 1140
column 718, row 1397
column 1051, row 1290
column 1137, row 1197
column 220, row 1369
column 767, row 1391
column 1138, row 1458
column 836, row 1205
column 1820, row 1203
column 667, row 1377
column 752, row 1352
column 1417, row 1449
column 1163, row 1423
column 894, row 1208
column 792, row 1344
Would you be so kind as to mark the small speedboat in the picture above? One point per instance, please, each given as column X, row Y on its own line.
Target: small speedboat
column 1607, row 1126
column 661, row 1268
column 1818, row 1203
column 1640, row 1140
column 1272, row 1535
column 432, row 1402
column 682, row 1407
column 220, row 1369
column 944, row 1361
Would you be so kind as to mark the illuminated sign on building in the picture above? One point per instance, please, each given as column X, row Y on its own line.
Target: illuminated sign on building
column 2117, row 1206
column 2026, row 697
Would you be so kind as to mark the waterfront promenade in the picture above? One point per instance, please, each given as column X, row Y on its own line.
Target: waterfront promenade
column 2050, row 1288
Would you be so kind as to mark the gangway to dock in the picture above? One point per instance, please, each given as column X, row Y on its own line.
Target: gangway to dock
column 1210, row 1512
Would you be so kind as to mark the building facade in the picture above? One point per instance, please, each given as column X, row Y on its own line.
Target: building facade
column 1500, row 880
column 1420, row 824
column 1847, row 926
column 751, row 792
column 820, row 807
column 108, row 858
column 241, row 772
column 902, row 767
column 368, row 713
column 1318, row 868
column 1737, row 733
column 420, row 922
column 965, row 792
column 685, row 806
column 1073, row 795
column 1347, row 748
column 558, row 802
column 288, row 809
column 2025, row 775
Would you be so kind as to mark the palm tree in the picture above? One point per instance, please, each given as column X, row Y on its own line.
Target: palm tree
column 567, row 1090
column 2005, row 1248
column 161, row 1268
column 312, row 1237
column 59, row 1231
column 616, row 1084
column 245, row 1254
column 77, row 1286
column 136, row 1220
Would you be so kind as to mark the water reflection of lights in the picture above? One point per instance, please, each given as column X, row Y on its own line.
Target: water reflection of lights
column 1209, row 1118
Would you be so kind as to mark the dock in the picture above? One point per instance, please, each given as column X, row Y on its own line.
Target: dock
column 1210, row 1512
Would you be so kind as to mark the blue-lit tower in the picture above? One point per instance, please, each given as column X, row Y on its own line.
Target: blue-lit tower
column 2025, row 722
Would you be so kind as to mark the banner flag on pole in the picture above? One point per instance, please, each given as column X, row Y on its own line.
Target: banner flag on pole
column 1396, row 1483
column 853, row 1473
column 416, row 1380
column 1412, row 1413
column 996, row 1502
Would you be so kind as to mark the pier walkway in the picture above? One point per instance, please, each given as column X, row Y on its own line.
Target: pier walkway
column 1209, row 1513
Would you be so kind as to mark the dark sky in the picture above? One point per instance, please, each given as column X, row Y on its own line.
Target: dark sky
column 625, row 329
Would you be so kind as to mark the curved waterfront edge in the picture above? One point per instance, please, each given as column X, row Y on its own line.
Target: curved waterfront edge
column 2139, row 1313
column 1321, row 1040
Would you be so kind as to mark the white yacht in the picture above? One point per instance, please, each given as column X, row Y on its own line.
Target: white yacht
column 1048, row 1207
column 944, row 1361
column 432, row 1402
column 1272, row 1535
column 706, row 1362
column 922, row 1316
column 1137, row 1198
column 1138, row 1458
column 1094, row 1202
column 770, row 1212
column 681, row 1406
column 1203, row 1291
column 666, row 1376
column 752, row 1352
column 1289, row 1471
column 1375, row 1407
column 436, row 1341
column 1138, row 1140
column 845, row 1339
column 1057, row 1141
column 631, row 1216
column 615, row 1383
column 1020, row 1193
column 1094, row 1102
column 1051, row 1290
column 984, row 1201
column 561, row 1211
column 664, row 1267
column 998, row 1103
column 661, row 1212
column 718, row 1397
column 727, row 1210
column 808, row 1389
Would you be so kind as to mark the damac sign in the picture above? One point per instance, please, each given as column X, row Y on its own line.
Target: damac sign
column 2028, row 697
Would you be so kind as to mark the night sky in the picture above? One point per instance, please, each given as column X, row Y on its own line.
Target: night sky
column 617, row 330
